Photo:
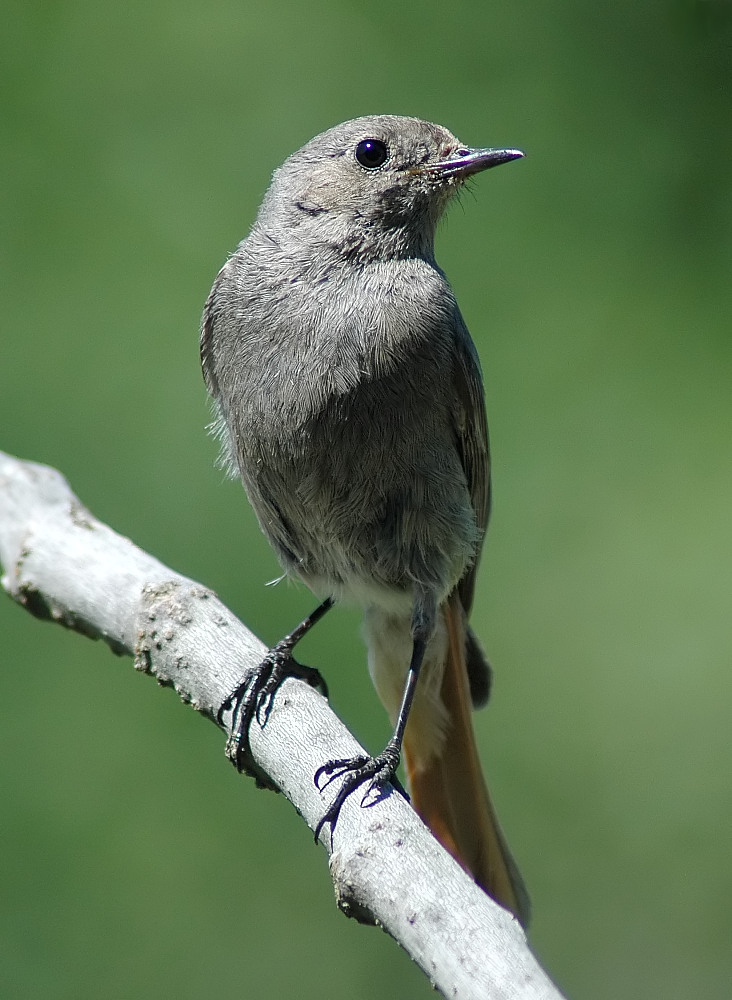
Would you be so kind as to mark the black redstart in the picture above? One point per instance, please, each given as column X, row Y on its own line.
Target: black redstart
column 349, row 397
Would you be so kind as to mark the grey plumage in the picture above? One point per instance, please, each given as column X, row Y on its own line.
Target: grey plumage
column 349, row 397
column 344, row 375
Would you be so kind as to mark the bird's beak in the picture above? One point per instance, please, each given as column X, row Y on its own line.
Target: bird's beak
column 470, row 161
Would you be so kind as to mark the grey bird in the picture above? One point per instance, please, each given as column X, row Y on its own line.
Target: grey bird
column 349, row 398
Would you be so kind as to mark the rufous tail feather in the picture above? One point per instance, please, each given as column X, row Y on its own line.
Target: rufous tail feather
column 450, row 793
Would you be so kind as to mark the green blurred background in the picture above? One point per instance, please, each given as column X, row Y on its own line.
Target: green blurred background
column 137, row 140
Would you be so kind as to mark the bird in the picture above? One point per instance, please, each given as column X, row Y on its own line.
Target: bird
column 348, row 396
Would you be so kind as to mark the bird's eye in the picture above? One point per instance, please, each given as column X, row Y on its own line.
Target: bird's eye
column 372, row 153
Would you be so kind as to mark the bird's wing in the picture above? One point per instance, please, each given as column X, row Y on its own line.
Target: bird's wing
column 206, row 345
column 472, row 442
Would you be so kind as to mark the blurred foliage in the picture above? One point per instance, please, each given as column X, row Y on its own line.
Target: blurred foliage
column 137, row 140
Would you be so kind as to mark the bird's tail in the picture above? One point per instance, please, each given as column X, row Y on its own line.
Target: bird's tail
column 449, row 791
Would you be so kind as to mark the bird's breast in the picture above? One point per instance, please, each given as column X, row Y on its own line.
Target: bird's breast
column 340, row 397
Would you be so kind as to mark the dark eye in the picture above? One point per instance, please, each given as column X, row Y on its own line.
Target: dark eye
column 371, row 153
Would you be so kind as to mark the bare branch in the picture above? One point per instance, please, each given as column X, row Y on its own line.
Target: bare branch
column 61, row 563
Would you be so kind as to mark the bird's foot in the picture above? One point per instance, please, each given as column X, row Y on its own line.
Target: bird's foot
column 252, row 699
column 377, row 771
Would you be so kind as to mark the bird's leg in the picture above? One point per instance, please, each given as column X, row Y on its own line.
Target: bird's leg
column 382, row 768
column 253, row 697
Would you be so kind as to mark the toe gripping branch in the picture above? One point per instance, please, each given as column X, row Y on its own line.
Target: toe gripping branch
column 377, row 771
column 252, row 699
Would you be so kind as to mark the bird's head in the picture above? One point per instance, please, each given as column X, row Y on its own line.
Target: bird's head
column 374, row 186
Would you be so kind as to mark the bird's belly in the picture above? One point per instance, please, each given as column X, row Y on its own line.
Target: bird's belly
column 370, row 528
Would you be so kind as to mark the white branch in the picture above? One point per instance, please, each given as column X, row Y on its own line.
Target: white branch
column 63, row 564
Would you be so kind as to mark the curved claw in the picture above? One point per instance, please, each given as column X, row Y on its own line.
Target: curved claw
column 264, row 698
column 253, row 699
column 378, row 771
column 335, row 768
column 282, row 664
column 244, row 699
